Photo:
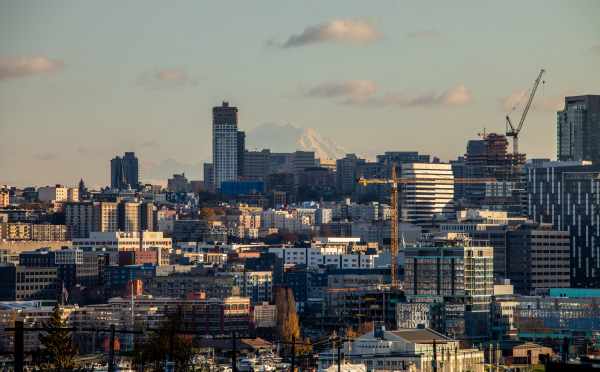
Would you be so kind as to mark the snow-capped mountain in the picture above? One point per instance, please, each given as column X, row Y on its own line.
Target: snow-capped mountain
column 287, row 138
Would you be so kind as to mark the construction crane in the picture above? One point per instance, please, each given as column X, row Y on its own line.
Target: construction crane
column 511, row 130
column 395, row 182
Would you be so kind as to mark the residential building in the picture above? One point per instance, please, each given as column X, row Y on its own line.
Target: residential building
column 257, row 285
column 225, row 143
column 457, row 269
column 578, row 129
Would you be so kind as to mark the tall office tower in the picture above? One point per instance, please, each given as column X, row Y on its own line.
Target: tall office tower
column 225, row 143
column 241, row 152
column 568, row 197
column 129, row 216
column 124, row 172
column 209, row 176
column 578, row 129
column 347, row 173
column 428, row 194
column 457, row 272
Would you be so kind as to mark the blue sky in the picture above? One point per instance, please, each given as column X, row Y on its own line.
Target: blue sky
column 83, row 81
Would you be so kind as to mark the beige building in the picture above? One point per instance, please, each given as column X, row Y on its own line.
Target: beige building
column 116, row 241
column 58, row 193
column 15, row 231
column 4, row 198
column 47, row 232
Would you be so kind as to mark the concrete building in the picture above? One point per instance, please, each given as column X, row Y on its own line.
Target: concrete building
column 578, row 129
column 225, row 143
column 407, row 350
column 428, row 194
column 538, row 259
column 124, row 172
column 58, row 193
column 566, row 196
column 114, row 242
column 18, row 283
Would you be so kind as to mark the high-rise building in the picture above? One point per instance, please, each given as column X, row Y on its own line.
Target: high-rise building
column 124, row 172
column 4, row 198
column 578, row 129
column 225, row 143
column 429, row 194
column 568, row 197
column 347, row 173
column 459, row 272
column 489, row 158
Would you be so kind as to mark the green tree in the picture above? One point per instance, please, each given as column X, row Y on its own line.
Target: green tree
column 59, row 353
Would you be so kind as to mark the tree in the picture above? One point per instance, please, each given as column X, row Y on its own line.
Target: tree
column 166, row 342
column 59, row 352
column 288, row 325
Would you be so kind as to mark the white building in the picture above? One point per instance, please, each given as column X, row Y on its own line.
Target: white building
column 428, row 193
column 407, row 350
column 314, row 257
column 116, row 241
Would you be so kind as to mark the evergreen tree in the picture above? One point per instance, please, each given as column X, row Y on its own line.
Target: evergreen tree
column 59, row 352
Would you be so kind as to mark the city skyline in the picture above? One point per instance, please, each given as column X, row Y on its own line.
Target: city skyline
column 346, row 71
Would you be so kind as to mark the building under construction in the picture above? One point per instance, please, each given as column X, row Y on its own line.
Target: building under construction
column 488, row 158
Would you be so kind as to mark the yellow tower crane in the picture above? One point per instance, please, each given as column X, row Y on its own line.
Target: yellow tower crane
column 395, row 183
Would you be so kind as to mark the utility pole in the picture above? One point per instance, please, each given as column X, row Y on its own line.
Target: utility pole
column 19, row 347
column 434, row 359
column 339, row 354
column 293, row 353
column 111, row 348
column 233, row 353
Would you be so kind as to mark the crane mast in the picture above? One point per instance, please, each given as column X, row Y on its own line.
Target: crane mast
column 395, row 183
column 511, row 130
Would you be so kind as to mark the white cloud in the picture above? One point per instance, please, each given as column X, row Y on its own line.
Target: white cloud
column 166, row 78
column 365, row 92
column 337, row 30
column 353, row 91
column 16, row 67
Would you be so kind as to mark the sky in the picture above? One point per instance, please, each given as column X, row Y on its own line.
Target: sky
column 81, row 82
